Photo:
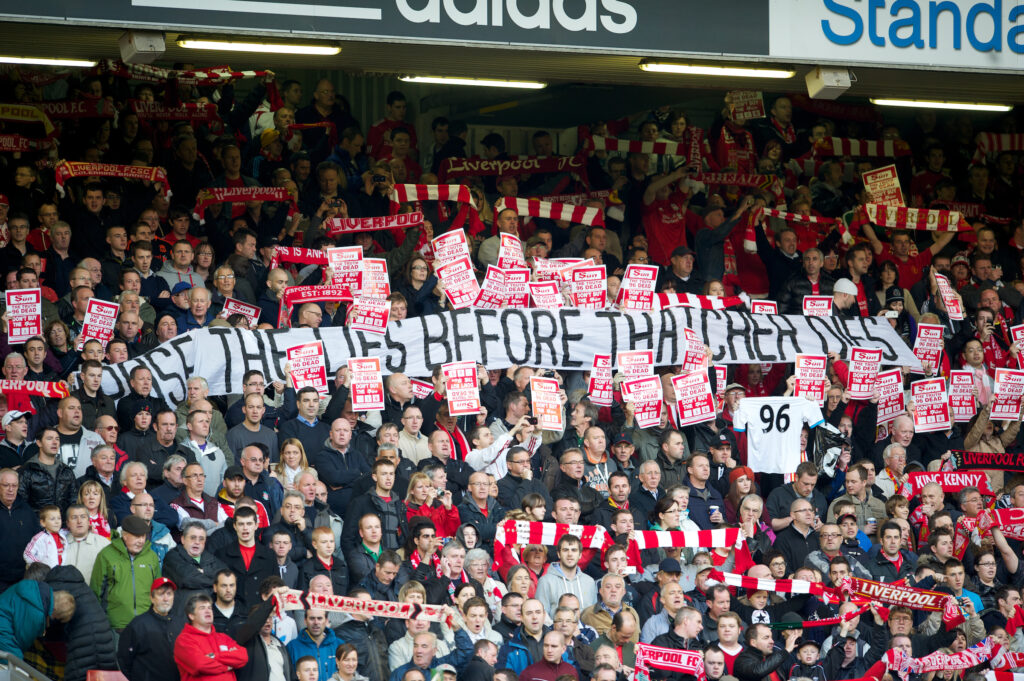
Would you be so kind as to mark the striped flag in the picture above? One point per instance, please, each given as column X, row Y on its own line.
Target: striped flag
column 580, row 215
column 785, row 586
column 847, row 146
column 636, row 146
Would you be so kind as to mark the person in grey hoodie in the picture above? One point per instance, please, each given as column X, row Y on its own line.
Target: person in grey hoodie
column 565, row 577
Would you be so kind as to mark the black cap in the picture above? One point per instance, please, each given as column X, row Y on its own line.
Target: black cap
column 233, row 472
column 892, row 294
column 670, row 565
column 623, row 437
column 133, row 524
column 680, row 251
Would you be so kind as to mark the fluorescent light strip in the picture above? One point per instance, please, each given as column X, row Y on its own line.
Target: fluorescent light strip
column 930, row 104
column 325, row 50
column 44, row 61
column 704, row 70
column 479, row 82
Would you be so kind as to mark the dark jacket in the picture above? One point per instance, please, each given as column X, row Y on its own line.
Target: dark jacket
column 372, row 647
column 89, row 638
column 263, row 565
column 93, row 407
column 795, row 547
column 338, row 572
column 18, row 524
column 589, row 497
column 39, row 488
column 753, row 665
column 191, row 577
column 701, row 502
column 312, row 438
column 791, row 293
column 248, row 636
column 511, row 491
column 145, row 650
column 485, row 526
column 153, row 454
column 884, row 570
column 132, row 403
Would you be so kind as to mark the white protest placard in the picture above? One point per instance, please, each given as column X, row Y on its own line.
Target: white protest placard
column 550, row 269
column 693, row 398
column 646, row 395
column 510, row 251
column 764, row 307
column 746, row 105
column 950, row 300
column 883, row 185
column 600, row 385
column 589, row 287
column 369, row 314
column 232, row 306
column 961, row 396
column 928, row 344
column 891, row 398
column 492, row 291
column 695, row 357
column 449, row 246
column 24, row 314
column 635, row 363
column 517, row 287
column 811, row 378
column 931, row 405
column 98, row 324
column 547, row 403
column 346, row 263
column 376, row 283
column 721, row 376
column 546, row 294
column 421, row 389
column 462, row 388
column 637, row 291
column 308, row 366
column 817, row 306
column 460, row 285
column 1017, row 334
column 367, row 387
column 863, row 366
column 1006, row 397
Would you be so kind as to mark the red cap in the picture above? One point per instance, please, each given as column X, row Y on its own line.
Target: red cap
column 162, row 581
column 4, row 201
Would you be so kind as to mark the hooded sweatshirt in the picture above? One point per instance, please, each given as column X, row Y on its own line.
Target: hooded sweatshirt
column 554, row 583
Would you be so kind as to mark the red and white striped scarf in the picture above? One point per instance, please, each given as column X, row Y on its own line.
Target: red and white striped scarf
column 304, row 256
column 784, row 586
column 691, row 539
column 901, row 217
column 667, row 300
column 459, row 193
column 214, row 195
column 846, row 146
column 547, row 534
column 991, row 675
column 214, row 75
column 896, row 659
column 1007, row 659
column 599, row 143
column 992, row 142
column 670, row 659
column 810, row 220
column 580, row 215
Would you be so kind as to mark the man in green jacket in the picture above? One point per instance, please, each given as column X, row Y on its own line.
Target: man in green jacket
column 124, row 573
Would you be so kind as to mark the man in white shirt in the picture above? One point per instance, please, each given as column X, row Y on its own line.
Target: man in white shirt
column 82, row 545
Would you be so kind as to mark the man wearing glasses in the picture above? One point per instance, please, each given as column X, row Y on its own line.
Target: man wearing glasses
column 798, row 540
column 830, row 543
column 253, row 382
column 194, row 503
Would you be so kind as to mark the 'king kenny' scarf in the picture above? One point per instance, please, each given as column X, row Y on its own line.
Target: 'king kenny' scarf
column 901, row 217
column 579, row 215
column 845, row 146
column 950, row 481
column 66, row 170
column 972, row 461
column 297, row 600
column 459, row 193
column 52, row 389
column 671, row 659
column 297, row 295
column 481, row 167
column 214, row 195
column 304, row 256
column 338, row 226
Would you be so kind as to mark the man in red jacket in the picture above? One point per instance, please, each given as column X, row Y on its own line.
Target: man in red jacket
column 202, row 653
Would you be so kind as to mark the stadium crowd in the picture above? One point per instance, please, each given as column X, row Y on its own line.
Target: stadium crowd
column 157, row 538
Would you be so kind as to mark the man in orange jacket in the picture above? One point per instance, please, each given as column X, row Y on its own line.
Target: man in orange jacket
column 202, row 653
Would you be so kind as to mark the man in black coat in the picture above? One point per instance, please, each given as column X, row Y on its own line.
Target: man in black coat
column 18, row 524
column 190, row 565
column 481, row 665
column 262, row 565
column 368, row 638
column 760, row 658
column 145, row 650
column 519, row 482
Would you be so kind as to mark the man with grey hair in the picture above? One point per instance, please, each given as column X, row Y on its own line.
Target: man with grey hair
column 687, row 625
column 892, row 477
column 198, row 314
column 649, row 491
column 901, row 432
column 174, row 468
column 811, row 280
column 189, row 564
column 197, row 389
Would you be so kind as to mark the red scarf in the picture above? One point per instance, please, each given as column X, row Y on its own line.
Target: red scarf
column 66, row 170
column 214, row 195
column 788, row 133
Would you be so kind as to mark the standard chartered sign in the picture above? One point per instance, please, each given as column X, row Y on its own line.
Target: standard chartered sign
column 982, row 34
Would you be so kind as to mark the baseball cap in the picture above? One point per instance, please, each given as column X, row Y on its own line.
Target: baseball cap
column 623, row 437
column 893, row 294
column 162, row 581
column 735, row 386
column 844, row 285
column 960, row 259
column 681, row 251
column 4, row 201
column 233, row 472
column 135, row 525
column 670, row 565
column 721, row 441
column 180, row 287
column 12, row 416
column 847, row 515
column 445, row 668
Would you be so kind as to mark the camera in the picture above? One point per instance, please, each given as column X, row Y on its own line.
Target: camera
column 892, row 314
column 532, row 420
column 380, row 178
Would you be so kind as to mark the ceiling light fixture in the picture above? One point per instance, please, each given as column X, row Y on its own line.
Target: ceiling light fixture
column 479, row 82
column 276, row 48
column 706, row 70
column 931, row 104
column 45, row 61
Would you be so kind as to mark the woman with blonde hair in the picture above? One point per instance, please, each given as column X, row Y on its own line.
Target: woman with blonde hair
column 92, row 496
column 291, row 462
column 421, row 500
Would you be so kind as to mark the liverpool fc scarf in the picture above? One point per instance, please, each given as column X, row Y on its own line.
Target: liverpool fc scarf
column 214, row 195
column 973, row 461
column 297, row 600
column 66, row 170
column 1009, row 520
column 78, row 108
column 304, row 256
column 670, row 659
column 52, row 389
column 339, row 226
column 481, row 167
column 845, row 146
column 898, row 661
column 901, row 217
column 10, row 144
column 156, row 111
column 26, row 113
column 298, row 295
column 580, row 215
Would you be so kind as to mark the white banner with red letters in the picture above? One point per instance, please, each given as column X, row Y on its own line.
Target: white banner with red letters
column 694, row 400
column 863, row 368
column 98, row 324
column 817, row 306
column 367, row 386
column 599, row 388
column 308, row 367
column 462, row 388
column 811, row 378
column 646, row 395
column 931, row 405
column 369, row 314
column 547, row 403
column 891, row 398
column 24, row 310
column 232, row 306
column 1006, row 398
column 961, row 396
